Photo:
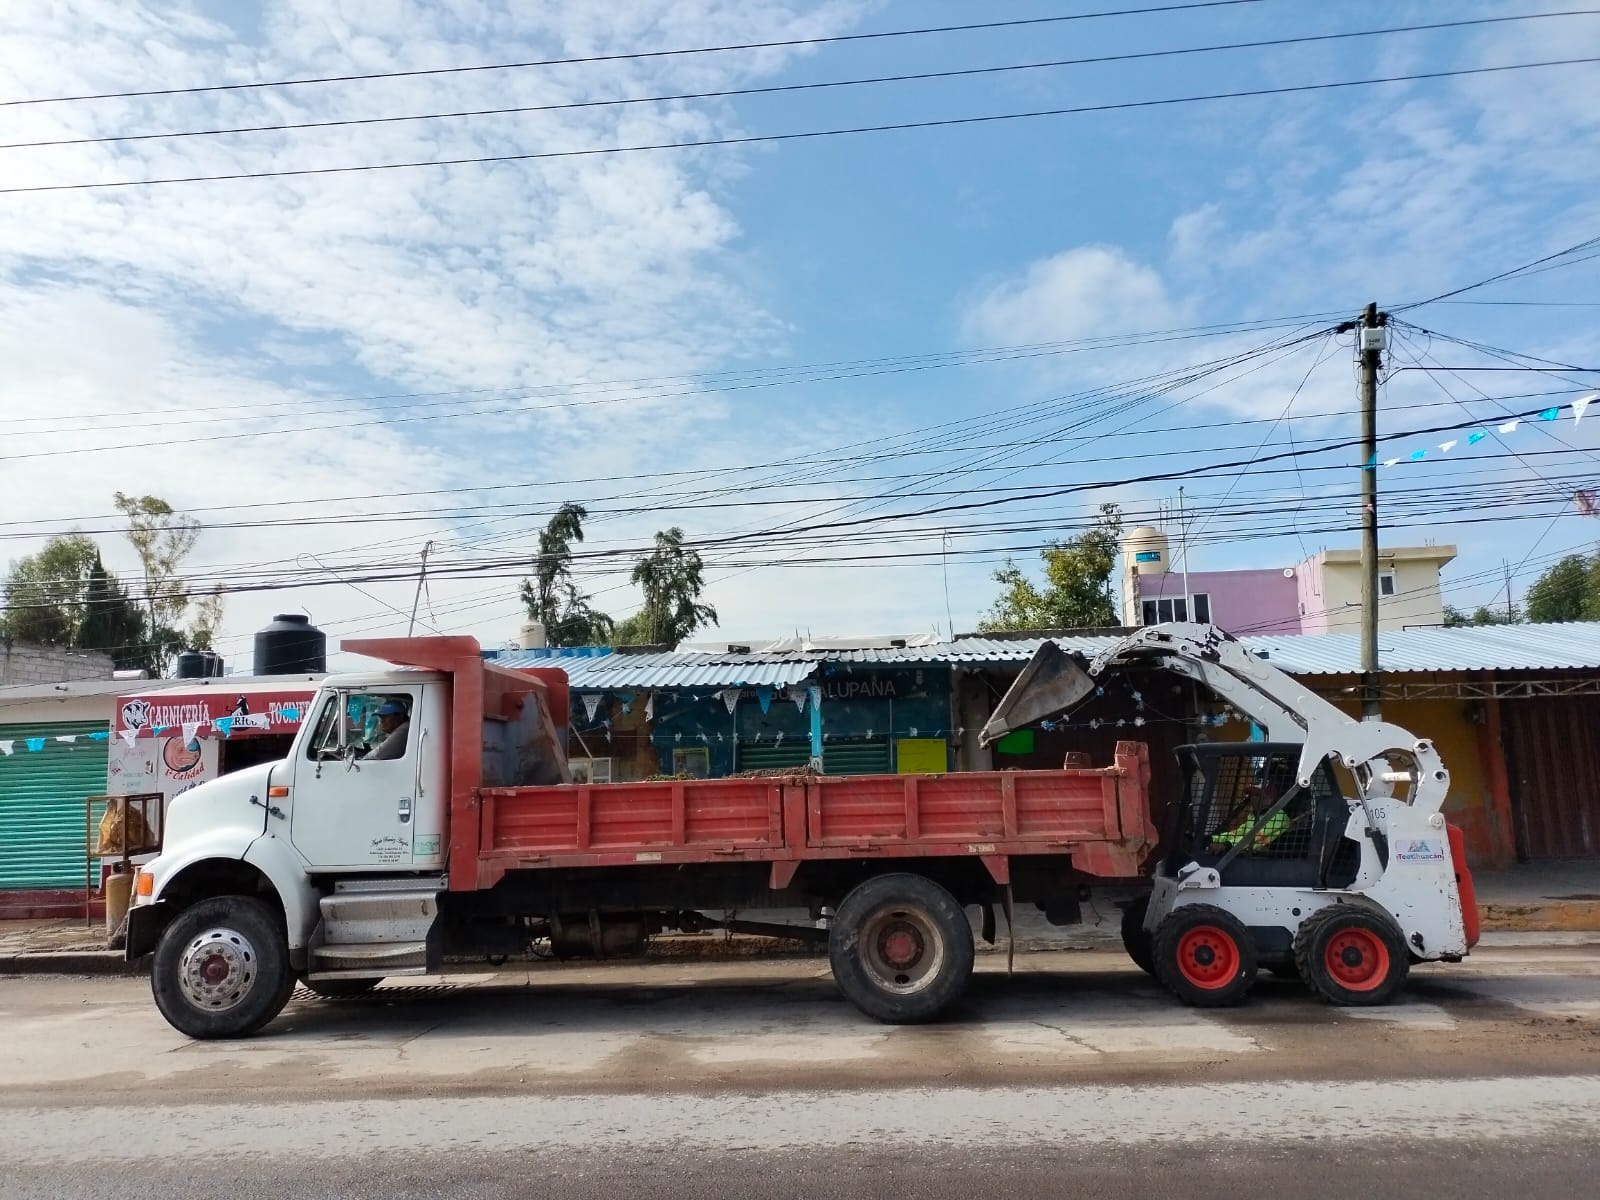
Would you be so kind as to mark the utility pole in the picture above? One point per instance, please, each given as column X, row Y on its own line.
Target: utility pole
column 422, row 576
column 1511, row 613
column 1183, row 546
column 1370, row 344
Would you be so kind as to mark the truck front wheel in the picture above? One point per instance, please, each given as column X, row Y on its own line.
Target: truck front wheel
column 221, row 969
column 901, row 948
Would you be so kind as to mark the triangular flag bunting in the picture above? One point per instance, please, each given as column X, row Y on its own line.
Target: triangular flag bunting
column 730, row 697
column 225, row 725
column 1372, row 462
column 1418, row 455
column 100, row 735
column 69, row 738
column 1390, row 462
column 35, row 744
column 591, row 703
column 1476, row 436
column 764, row 698
column 6, row 747
column 128, row 735
column 1510, row 426
column 1550, row 414
column 1446, row 447
column 190, row 728
column 1581, row 405
column 650, row 707
column 798, row 695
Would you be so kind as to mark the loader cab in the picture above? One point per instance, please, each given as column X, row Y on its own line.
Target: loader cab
column 1243, row 807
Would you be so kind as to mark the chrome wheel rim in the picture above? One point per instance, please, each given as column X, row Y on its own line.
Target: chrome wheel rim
column 218, row 970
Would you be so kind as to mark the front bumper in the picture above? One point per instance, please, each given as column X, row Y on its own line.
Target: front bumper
column 145, row 925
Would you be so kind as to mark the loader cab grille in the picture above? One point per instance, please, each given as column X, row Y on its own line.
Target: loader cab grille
column 1244, row 808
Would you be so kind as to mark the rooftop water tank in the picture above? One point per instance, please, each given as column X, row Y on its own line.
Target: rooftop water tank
column 190, row 664
column 1145, row 550
column 291, row 645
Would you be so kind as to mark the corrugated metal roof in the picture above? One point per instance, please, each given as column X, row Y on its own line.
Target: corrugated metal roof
column 1572, row 646
column 676, row 670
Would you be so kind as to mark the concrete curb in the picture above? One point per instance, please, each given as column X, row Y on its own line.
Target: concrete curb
column 72, row 962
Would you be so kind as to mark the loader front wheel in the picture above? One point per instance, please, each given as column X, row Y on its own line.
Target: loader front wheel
column 1352, row 956
column 1205, row 956
column 901, row 948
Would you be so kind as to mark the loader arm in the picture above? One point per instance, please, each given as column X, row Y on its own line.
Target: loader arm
column 1287, row 710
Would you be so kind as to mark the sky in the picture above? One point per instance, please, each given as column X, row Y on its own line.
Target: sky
column 858, row 371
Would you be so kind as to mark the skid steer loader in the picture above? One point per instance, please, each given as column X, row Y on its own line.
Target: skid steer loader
column 1319, row 852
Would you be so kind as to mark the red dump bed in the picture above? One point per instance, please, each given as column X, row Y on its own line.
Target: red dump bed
column 504, row 729
column 1101, row 817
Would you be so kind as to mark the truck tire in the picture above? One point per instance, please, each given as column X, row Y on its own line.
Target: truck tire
column 1352, row 955
column 1135, row 940
column 1205, row 956
column 901, row 948
column 341, row 989
column 221, row 969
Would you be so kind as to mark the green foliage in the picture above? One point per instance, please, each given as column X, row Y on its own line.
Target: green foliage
column 551, row 597
column 47, row 593
column 672, row 577
column 1076, row 592
column 112, row 623
column 1565, row 592
column 1482, row 615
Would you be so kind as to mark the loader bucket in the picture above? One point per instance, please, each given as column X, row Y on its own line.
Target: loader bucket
column 1052, row 682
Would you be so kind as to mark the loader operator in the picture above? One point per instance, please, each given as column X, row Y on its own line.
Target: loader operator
column 1262, row 796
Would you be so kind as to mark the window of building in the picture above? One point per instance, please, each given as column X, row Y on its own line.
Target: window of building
column 1174, row 608
column 1202, row 608
column 1386, row 585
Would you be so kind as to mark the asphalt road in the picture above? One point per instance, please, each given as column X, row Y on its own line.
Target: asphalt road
column 1077, row 1077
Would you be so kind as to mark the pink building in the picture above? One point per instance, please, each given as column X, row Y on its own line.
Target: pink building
column 1320, row 595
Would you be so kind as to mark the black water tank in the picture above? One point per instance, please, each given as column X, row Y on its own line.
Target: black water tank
column 291, row 645
column 213, row 664
column 191, row 664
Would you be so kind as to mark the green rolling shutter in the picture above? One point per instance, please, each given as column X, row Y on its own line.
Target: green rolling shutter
column 769, row 756
column 42, row 841
column 856, row 758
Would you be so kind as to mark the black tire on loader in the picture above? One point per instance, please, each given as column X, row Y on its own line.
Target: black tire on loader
column 1205, row 956
column 1139, row 944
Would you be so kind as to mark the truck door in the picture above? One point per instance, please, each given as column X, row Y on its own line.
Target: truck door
column 368, row 795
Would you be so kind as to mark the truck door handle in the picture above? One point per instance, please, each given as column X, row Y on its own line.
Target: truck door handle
column 422, row 768
column 405, row 810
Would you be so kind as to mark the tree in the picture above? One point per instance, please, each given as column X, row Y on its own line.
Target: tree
column 112, row 623
column 551, row 597
column 1076, row 593
column 207, row 620
column 46, row 594
column 1482, row 615
column 672, row 577
column 162, row 538
column 1562, row 593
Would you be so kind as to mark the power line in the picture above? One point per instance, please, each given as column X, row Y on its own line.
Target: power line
column 801, row 135
column 631, row 56
column 1525, row 268
column 783, row 88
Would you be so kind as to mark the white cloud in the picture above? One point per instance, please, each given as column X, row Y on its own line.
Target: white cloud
column 1082, row 292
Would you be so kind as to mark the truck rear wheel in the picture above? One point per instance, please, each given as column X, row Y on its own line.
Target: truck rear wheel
column 221, row 969
column 901, row 948
column 1352, row 955
column 1205, row 956
column 1135, row 940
